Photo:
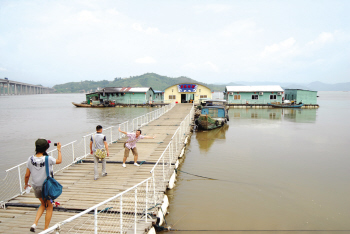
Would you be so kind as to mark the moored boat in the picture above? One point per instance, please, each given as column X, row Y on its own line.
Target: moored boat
column 81, row 104
column 213, row 115
column 105, row 103
column 286, row 105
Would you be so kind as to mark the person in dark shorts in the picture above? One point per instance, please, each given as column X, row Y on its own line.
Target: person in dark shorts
column 130, row 144
column 36, row 169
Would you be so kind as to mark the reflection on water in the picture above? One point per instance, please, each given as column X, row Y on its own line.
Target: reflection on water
column 207, row 138
column 300, row 115
column 295, row 115
column 288, row 170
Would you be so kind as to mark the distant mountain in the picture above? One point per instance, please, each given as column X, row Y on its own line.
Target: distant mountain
column 157, row 82
column 315, row 86
column 319, row 86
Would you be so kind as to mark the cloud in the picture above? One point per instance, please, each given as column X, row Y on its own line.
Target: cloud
column 282, row 49
column 215, row 8
column 323, row 38
column 145, row 60
column 88, row 17
column 240, row 28
column 149, row 30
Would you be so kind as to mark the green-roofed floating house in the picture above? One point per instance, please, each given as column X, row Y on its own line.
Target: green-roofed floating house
column 307, row 97
column 114, row 96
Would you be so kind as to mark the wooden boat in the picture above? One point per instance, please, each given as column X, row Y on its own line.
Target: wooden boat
column 212, row 116
column 286, row 105
column 81, row 104
column 84, row 104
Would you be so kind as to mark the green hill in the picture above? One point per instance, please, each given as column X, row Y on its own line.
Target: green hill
column 157, row 82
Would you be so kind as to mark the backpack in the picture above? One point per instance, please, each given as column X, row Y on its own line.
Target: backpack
column 51, row 188
column 99, row 153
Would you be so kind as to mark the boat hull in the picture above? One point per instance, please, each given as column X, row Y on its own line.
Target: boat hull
column 88, row 105
column 285, row 105
column 206, row 122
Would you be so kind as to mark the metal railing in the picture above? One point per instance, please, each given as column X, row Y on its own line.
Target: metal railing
column 125, row 211
column 164, row 167
column 254, row 101
column 13, row 183
column 119, row 214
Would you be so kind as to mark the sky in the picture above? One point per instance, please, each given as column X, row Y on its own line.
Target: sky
column 58, row 41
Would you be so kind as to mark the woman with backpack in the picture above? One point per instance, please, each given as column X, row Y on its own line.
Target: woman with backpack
column 36, row 168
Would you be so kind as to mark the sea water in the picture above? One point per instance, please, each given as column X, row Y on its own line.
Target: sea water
column 271, row 170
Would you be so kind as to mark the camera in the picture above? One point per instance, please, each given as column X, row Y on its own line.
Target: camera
column 55, row 144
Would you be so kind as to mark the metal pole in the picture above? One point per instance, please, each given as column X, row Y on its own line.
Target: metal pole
column 135, row 209
column 111, row 134
column 121, row 214
column 163, row 170
column 95, row 216
column 84, row 145
column 73, row 151
column 154, row 188
column 146, row 199
column 20, row 181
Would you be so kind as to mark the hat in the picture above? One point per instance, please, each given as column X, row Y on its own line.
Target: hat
column 41, row 145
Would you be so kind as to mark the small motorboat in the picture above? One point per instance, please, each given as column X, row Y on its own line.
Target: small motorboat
column 287, row 105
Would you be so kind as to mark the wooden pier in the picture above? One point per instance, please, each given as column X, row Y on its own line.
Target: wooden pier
column 81, row 191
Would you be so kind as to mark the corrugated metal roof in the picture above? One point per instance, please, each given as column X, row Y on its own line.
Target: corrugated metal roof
column 139, row 90
column 262, row 88
column 124, row 90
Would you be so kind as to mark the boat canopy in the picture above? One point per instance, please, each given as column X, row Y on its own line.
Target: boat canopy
column 215, row 102
column 214, row 111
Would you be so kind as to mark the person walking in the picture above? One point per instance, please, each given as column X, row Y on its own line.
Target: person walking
column 98, row 141
column 36, row 168
column 130, row 144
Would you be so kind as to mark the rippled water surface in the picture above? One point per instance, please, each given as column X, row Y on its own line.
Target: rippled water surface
column 52, row 116
column 274, row 169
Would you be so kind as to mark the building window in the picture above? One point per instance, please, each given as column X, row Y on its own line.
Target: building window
column 255, row 96
column 203, row 96
column 237, row 97
column 273, row 97
column 172, row 96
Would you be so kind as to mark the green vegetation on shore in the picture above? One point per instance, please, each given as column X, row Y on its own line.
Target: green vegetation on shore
column 157, row 82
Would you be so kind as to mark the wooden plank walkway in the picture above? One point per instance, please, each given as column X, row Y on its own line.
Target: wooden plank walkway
column 81, row 191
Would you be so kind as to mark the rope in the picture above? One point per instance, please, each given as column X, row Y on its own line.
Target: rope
column 209, row 178
column 176, row 170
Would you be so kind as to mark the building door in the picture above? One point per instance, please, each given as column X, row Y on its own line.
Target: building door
column 183, row 98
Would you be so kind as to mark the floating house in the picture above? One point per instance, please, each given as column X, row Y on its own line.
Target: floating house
column 307, row 97
column 126, row 95
column 186, row 93
column 158, row 96
column 253, row 94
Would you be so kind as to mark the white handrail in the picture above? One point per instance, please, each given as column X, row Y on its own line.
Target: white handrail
column 94, row 208
column 14, row 180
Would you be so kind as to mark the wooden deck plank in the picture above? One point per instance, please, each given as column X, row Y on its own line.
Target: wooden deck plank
column 81, row 191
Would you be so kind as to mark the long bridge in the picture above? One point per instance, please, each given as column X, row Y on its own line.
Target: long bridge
column 127, row 200
column 10, row 87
